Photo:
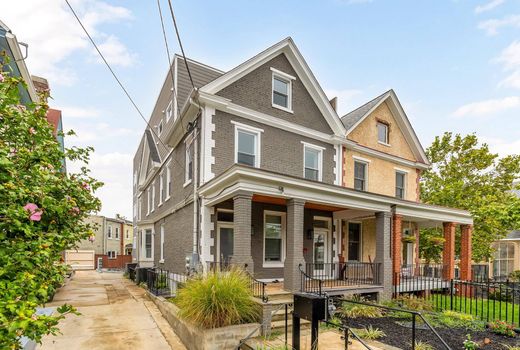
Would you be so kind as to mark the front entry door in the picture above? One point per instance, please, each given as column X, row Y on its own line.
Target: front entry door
column 320, row 250
column 225, row 235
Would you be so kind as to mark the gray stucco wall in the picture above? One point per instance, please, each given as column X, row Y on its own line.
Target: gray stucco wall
column 281, row 151
column 254, row 91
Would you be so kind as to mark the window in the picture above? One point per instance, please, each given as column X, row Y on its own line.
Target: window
column 153, row 196
column 169, row 111
column 247, row 145
column 109, row 234
column 160, row 128
column 162, row 243
column 112, row 254
column 127, row 234
column 117, row 232
column 354, row 241
column 312, row 162
column 282, row 90
column 382, row 133
column 161, row 188
column 135, row 179
column 503, row 263
column 360, row 175
column 189, row 161
column 148, row 244
column 400, row 178
column 274, row 236
column 149, row 200
column 168, row 181
column 139, row 208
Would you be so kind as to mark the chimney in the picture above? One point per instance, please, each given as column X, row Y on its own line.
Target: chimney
column 334, row 103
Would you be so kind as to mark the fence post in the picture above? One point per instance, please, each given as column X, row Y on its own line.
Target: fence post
column 451, row 295
column 413, row 331
column 346, row 338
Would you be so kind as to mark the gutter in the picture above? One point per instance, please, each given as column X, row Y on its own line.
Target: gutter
column 20, row 62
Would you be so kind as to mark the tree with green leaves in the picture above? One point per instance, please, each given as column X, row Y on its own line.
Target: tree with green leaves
column 466, row 175
column 42, row 212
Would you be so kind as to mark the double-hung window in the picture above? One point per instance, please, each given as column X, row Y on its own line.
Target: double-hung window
column 149, row 200
column 274, row 237
column 162, row 243
column 503, row 262
column 247, row 145
column 112, row 254
column 148, row 244
column 109, row 233
column 161, row 187
column 282, row 90
column 382, row 133
column 312, row 162
column 168, row 181
column 188, row 160
column 400, row 180
column 153, row 197
column 117, row 233
column 360, row 175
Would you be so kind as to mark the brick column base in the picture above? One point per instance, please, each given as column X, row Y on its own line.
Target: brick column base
column 397, row 247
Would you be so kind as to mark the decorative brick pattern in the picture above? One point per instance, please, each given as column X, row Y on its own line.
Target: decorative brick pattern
column 448, row 253
column 295, row 217
column 383, row 233
column 242, row 203
column 465, row 252
column 397, row 247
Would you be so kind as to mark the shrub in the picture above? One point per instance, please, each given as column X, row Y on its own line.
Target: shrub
column 217, row 299
column 423, row 346
column 352, row 310
column 501, row 294
column 512, row 347
column 503, row 328
column 414, row 303
column 470, row 344
column 452, row 319
column 42, row 212
column 370, row 333
column 515, row 276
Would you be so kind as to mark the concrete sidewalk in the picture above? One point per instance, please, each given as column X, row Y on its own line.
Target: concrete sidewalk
column 115, row 314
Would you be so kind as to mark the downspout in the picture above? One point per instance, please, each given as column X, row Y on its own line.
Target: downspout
column 195, row 253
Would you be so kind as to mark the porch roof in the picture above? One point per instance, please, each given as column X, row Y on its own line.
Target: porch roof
column 239, row 178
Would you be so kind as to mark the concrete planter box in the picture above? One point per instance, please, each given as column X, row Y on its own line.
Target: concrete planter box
column 197, row 338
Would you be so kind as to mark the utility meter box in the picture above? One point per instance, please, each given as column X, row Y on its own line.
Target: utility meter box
column 310, row 307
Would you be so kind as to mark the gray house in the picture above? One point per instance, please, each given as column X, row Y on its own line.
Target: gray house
column 254, row 167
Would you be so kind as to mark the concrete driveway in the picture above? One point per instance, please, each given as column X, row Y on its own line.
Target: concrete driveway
column 115, row 314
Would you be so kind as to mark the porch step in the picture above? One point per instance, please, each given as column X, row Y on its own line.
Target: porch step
column 280, row 314
column 280, row 325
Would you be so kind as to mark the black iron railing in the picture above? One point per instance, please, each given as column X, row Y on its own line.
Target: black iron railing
column 130, row 269
column 423, row 270
column 334, row 275
column 310, row 284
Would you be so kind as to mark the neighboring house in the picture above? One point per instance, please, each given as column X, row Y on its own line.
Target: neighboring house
column 112, row 240
column 254, row 167
column 506, row 258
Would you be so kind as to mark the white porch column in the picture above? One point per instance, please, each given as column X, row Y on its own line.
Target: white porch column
column 206, row 241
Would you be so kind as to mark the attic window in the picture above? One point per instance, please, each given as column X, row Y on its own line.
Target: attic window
column 282, row 90
column 382, row 133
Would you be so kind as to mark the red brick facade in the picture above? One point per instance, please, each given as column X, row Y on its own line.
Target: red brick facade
column 119, row 262
column 448, row 253
column 465, row 252
column 397, row 249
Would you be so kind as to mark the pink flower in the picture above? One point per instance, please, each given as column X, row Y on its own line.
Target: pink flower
column 32, row 131
column 85, row 186
column 1, row 78
column 75, row 210
column 35, row 213
column 92, row 239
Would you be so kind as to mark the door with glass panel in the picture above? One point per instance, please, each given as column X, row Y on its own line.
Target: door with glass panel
column 320, row 251
column 225, row 240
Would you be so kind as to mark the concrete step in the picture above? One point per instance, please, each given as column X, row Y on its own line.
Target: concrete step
column 280, row 325
column 280, row 314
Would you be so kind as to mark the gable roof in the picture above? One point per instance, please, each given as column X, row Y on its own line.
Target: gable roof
column 352, row 119
column 296, row 59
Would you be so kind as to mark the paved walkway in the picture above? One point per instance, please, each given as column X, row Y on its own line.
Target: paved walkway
column 115, row 314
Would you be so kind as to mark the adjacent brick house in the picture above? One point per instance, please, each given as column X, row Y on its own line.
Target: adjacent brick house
column 254, row 167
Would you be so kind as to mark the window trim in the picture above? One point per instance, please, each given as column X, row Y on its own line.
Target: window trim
column 114, row 255
column 275, row 264
column 152, row 187
column 360, row 223
column 500, row 260
column 168, row 180
column 359, row 160
column 148, row 201
column 187, row 144
column 250, row 130
column 116, row 233
column 143, row 243
column 405, row 181
column 169, row 114
column 161, row 260
column 109, row 231
column 161, row 188
column 320, row 159
column 288, row 79
column 387, row 143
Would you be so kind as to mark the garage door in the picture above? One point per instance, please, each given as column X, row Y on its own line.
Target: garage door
column 80, row 259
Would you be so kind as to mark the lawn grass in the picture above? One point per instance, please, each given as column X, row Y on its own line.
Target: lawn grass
column 479, row 307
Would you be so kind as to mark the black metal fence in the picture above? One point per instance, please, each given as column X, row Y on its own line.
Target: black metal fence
column 130, row 269
column 488, row 300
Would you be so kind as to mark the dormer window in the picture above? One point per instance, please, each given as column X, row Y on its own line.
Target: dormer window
column 282, row 90
column 382, row 133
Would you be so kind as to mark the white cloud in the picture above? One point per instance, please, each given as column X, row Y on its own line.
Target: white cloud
column 87, row 132
column 53, row 34
column 513, row 80
column 346, row 99
column 114, row 170
column 76, row 112
column 116, row 53
column 510, row 60
column 487, row 107
column 488, row 6
column 501, row 146
column 491, row 26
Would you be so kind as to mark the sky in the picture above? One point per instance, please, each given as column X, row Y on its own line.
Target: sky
column 454, row 64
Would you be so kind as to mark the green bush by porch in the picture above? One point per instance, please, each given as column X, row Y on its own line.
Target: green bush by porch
column 217, row 299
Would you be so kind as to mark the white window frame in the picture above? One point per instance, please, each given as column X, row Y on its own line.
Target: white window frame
column 139, row 208
column 288, row 79
column 360, row 223
column 168, row 181
column 360, row 160
column 135, row 179
column 387, row 143
column 109, row 231
column 116, row 233
column 113, row 255
column 143, row 243
column 405, row 182
column 160, row 127
column 153, row 196
column 161, row 188
column 250, row 130
column 320, row 158
column 162, row 244
column 187, row 144
column 127, row 236
column 148, row 198
column 275, row 264
column 169, row 111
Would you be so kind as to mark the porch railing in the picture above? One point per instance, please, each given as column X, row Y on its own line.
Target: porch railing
column 423, row 270
column 335, row 275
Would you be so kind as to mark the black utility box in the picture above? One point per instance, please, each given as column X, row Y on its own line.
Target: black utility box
column 310, row 307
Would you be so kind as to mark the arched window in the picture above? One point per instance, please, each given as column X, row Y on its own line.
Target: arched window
column 503, row 263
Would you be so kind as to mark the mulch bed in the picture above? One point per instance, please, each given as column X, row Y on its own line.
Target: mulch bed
column 400, row 336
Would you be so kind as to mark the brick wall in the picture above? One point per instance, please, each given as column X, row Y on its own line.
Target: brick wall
column 118, row 263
